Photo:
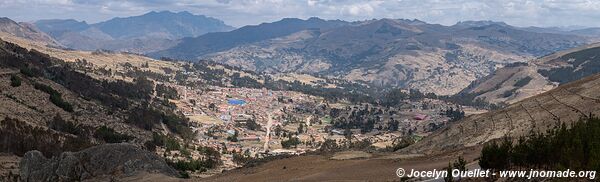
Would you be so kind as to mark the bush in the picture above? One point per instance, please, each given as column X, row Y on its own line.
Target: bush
column 59, row 124
column 523, row 81
column 293, row 141
column 168, row 142
column 234, row 137
column 27, row 72
column 192, row 165
column 178, row 124
column 57, row 100
column 55, row 97
column 15, row 81
column 400, row 143
column 111, row 136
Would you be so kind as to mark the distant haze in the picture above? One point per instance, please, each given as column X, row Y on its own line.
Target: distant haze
column 562, row 13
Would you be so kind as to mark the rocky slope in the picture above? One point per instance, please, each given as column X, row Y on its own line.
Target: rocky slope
column 388, row 52
column 105, row 161
column 519, row 81
column 140, row 34
column 26, row 31
column 564, row 104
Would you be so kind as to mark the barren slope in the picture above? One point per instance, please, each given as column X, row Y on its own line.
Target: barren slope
column 516, row 82
column 566, row 103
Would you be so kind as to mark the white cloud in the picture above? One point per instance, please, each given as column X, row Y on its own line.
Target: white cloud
column 243, row 12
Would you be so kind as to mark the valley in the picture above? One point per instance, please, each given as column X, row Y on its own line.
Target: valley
column 177, row 96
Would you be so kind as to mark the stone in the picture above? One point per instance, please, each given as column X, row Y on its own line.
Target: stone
column 118, row 160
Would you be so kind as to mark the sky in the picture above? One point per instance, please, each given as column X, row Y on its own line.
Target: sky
column 238, row 13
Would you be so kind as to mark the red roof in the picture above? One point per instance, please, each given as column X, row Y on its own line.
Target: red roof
column 420, row 116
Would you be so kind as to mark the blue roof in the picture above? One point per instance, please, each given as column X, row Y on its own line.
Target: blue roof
column 236, row 102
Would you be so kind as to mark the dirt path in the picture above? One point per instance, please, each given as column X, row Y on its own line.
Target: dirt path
column 268, row 134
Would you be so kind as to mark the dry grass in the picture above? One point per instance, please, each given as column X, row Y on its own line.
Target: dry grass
column 346, row 155
column 107, row 60
column 205, row 119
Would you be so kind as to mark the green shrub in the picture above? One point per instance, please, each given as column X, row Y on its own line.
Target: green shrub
column 168, row 142
column 293, row 141
column 523, row 81
column 15, row 81
column 27, row 72
column 58, row 101
column 59, row 124
column 576, row 147
column 55, row 97
column 111, row 136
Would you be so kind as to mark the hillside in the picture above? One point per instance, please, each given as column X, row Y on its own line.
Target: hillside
column 519, row 81
column 140, row 34
column 192, row 48
column 54, row 106
column 26, row 31
column 386, row 52
column 564, row 104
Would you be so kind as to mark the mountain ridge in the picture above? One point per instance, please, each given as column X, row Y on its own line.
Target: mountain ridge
column 25, row 30
column 140, row 34
column 380, row 52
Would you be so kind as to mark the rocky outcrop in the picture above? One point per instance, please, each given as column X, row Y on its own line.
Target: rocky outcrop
column 119, row 160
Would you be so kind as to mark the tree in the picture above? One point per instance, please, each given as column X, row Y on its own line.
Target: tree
column 234, row 137
column 449, row 177
column 111, row 136
column 575, row 147
column 393, row 125
column 292, row 141
column 301, row 128
column 348, row 133
column 460, row 164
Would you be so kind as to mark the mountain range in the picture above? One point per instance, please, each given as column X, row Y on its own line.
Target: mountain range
column 59, row 100
column 149, row 32
column 386, row 52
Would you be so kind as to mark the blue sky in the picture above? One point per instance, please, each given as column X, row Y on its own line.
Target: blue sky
column 246, row 12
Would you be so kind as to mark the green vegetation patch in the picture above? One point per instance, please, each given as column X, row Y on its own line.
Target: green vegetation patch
column 109, row 135
column 15, row 81
column 55, row 97
column 523, row 81
column 576, row 148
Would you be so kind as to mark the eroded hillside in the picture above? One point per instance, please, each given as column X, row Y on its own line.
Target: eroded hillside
column 516, row 82
column 564, row 104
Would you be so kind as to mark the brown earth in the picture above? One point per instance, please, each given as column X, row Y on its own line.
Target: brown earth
column 381, row 167
column 564, row 104
column 493, row 87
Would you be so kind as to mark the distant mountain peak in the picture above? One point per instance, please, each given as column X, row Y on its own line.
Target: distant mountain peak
column 315, row 18
column 167, row 12
column 480, row 23
column 5, row 20
column 155, row 30
column 173, row 25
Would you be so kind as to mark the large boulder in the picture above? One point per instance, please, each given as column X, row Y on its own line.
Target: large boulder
column 119, row 160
